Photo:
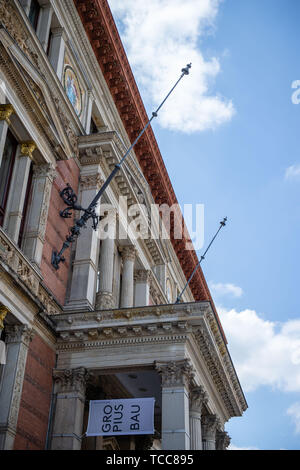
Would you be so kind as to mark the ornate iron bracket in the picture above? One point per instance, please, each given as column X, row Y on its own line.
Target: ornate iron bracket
column 70, row 198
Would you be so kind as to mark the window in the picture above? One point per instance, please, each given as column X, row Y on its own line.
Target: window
column 93, row 128
column 6, row 170
column 34, row 13
column 26, row 204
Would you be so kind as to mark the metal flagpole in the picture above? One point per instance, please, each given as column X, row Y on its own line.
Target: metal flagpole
column 222, row 224
column 70, row 197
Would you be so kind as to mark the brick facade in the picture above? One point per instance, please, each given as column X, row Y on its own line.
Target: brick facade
column 36, row 397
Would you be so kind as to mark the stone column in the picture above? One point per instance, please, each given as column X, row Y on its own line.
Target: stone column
column 222, row 440
column 198, row 397
column 176, row 377
column 70, row 386
column 128, row 258
column 209, row 429
column 44, row 23
column 57, row 51
column 6, row 110
column 17, row 342
column 35, row 229
column 104, row 298
column 142, row 279
column 85, row 266
column 18, row 189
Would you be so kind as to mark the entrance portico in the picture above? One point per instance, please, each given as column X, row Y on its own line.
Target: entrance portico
column 174, row 353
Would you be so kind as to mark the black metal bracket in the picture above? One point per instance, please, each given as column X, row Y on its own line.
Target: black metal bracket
column 70, row 199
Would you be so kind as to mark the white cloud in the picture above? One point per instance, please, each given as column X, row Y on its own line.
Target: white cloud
column 294, row 412
column 220, row 289
column 264, row 353
column 161, row 37
column 233, row 447
column 292, row 172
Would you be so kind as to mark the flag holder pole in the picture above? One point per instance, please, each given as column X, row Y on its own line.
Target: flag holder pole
column 222, row 224
column 70, row 197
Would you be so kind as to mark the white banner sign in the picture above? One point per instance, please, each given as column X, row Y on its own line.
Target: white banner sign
column 121, row 417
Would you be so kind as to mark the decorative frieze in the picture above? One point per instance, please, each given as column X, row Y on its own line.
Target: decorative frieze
column 11, row 256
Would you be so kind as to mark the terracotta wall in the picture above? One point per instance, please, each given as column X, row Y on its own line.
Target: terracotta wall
column 57, row 230
column 36, row 397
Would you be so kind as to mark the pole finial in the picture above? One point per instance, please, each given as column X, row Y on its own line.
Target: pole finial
column 185, row 70
column 223, row 223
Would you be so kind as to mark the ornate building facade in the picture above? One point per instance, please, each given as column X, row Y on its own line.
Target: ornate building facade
column 105, row 324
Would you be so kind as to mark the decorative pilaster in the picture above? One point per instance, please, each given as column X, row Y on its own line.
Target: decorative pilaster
column 176, row 377
column 210, row 423
column 85, row 266
column 222, row 440
column 198, row 398
column 18, row 189
column 35, row 230
column 70, row 387
column 128, row 254
column 142, row 280
column 17, row 341
column 6, row 110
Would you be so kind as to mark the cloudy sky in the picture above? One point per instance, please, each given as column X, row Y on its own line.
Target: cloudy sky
column 229, row 137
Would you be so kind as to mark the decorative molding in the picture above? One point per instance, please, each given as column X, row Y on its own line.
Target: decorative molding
column 175, row 373
column 25, row 274
column 6, row 110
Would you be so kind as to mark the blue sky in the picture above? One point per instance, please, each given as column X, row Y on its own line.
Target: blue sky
column 228, row 139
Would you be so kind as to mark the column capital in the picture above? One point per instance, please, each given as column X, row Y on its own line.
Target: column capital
column 6, row 110
column 71, row 380
column 18, row 334
column 3, row 312
column 175, row 373
column 27, row 148
column 91, row 181
column 128, row 253
column 198, row 398
column 143, row 275
column 222, row 440
column 210, row 423
column 44, row 170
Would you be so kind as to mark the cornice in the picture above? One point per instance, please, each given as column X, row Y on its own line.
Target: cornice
column 102, row 32
column 157, row 324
